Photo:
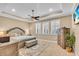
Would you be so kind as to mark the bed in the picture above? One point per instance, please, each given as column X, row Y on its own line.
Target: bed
column 18, row 34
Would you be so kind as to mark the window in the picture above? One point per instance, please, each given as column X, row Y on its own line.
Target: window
column 38, row 28
column 55, row 25
column 45, row 28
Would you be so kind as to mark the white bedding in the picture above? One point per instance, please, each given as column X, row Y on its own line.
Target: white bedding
column 22, row 37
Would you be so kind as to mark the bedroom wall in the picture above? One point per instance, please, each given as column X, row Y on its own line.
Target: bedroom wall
column 7, row 23
column 75, row 29
column 64, row 21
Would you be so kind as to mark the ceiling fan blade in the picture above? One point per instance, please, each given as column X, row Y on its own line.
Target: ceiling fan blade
column 37, row 16
column 37, row 19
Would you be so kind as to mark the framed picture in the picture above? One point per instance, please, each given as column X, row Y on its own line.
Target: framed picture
column 45, row 28
column 55, row 25
column 76, row 15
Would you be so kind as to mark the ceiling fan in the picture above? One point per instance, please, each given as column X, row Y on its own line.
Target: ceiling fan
column 34, row 17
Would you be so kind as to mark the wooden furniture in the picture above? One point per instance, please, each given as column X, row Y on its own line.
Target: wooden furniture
column 9, row 50
column 21, row 44
column 61, row 36
column 4, row 39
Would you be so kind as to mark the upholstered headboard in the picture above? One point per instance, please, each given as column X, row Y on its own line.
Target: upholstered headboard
column 16, row 31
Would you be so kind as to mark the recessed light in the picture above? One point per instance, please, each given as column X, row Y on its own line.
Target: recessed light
column 50, row 9
column 13, row 10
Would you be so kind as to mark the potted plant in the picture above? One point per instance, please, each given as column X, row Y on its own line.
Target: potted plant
column 70, row 42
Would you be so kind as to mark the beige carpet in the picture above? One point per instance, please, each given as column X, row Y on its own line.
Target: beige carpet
column 44, row 48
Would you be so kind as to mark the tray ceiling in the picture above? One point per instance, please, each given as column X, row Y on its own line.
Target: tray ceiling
column 22, row 10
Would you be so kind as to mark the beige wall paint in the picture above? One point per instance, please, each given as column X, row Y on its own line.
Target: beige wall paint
column 7, row 23
column 64, row 21
column 75, row 29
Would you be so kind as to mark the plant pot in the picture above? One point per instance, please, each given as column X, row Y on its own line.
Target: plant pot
column 68, row 49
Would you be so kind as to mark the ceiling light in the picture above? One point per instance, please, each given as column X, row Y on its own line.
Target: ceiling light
column 50, row 9
column 13, row 10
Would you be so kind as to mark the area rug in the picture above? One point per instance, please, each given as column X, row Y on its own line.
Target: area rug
column 35, row 50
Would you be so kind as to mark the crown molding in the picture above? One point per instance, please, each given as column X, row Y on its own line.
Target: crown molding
column 53, row 15
column 9, row 15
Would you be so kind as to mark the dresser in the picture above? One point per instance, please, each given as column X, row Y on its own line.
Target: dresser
column 62, row 36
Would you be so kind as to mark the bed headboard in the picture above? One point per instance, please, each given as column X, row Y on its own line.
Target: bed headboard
column 16, row 31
